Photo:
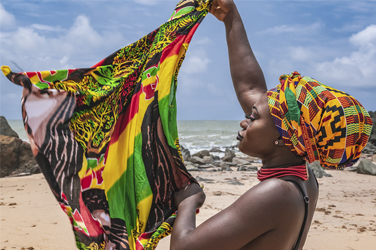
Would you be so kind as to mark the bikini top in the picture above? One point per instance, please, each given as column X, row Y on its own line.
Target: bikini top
column 306, row 201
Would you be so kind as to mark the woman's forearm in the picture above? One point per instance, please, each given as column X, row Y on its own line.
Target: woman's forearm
column 184, row 224
column 246, row 73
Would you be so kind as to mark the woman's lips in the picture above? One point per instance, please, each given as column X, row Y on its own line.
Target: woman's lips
column 239, row 137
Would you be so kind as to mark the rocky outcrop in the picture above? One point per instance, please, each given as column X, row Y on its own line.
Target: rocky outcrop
column 366, row 167
column 9, row 154
column 15, row 155
column 372, row 138
column 318, row 170
column 5, row 129
column 229, row 155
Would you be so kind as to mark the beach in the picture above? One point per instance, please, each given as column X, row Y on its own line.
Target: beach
column 345, row 216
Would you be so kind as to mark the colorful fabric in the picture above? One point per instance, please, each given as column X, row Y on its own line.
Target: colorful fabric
column 106, row 137
column 319, row 122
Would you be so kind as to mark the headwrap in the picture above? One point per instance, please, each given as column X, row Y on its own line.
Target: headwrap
column 106, row 136
column 319, row 122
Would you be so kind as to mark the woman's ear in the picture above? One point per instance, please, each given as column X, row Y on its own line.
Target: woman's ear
column 279, row 142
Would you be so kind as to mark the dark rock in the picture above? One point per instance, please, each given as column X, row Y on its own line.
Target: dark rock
column 229, row 155
column 26, row 159
column 197, row 160
column 366, row 167
column 9, row 154
column 372, row 138
column 16, row 156
column 369, row 149
column 202, row 153
column 318, row 170
column 5, row 129
column 216, row 158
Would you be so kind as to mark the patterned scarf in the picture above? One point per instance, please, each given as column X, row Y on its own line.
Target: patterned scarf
column 106, row 137
column 319, row 122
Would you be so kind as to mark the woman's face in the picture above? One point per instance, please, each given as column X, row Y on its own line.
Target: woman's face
column 259, row 133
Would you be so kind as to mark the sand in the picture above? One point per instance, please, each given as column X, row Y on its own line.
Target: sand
column 345, row 217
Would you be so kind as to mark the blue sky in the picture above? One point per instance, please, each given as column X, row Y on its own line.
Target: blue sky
column 331, row 41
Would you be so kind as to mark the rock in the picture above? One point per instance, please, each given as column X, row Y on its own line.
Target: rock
column 5, row 129
column 26, row 159
column 351, row 169
column 239, row 161
column 216, row 158
column 208, row 159
column 35, row 170
column 191, row 168
column 366, row 167
column 9, row 154
column 216, row 150
column 200, row 179
column 318, row 170
column 202, row 153
column 185, row 153
column 247, row 168
column 18, row 155
column 369, row 149
column 197, row 160
column 229, row 155
column 372, row 138
column 205, row 166
column 225, row 166
column 235, row 182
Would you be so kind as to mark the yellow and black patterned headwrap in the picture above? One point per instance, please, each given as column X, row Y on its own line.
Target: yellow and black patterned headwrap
column 319, row 122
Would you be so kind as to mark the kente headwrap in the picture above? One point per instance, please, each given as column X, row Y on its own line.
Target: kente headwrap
column 319, row 122
column 106, row 137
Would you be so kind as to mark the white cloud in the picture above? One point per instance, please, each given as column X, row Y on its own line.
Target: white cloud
column 6, row 18
column 277, row 30
column 78, row 46
column 195, row 64
column 46, row 27
column 366, row 37
column 359, row 66
column 301, row 54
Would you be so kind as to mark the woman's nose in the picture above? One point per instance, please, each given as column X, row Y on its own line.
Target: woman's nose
column 244, row 123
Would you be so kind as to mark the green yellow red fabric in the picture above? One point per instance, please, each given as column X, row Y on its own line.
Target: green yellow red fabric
column 106, row 136
column 319, row 122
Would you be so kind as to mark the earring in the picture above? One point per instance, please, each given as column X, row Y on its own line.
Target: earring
column 276, row 142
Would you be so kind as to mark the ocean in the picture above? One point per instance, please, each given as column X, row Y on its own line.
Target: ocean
column 193, row 135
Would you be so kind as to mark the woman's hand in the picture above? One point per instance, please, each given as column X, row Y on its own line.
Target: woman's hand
column 221, row 8
column 191, row 194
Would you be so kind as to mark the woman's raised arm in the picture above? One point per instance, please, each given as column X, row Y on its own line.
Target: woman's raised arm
column 247, row 76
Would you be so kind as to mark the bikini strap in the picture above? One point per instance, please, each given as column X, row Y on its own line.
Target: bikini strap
column 306, row 201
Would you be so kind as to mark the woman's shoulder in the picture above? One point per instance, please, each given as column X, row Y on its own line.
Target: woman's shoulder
column 275, row 195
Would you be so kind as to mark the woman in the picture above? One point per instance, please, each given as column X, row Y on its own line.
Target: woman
column 276, row 213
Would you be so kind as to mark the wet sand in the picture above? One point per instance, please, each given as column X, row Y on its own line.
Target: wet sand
column 345, row 217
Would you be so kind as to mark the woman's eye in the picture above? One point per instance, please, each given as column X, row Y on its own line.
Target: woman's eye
column 251, row 117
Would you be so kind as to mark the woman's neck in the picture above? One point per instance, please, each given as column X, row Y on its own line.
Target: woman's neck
column 282, row 158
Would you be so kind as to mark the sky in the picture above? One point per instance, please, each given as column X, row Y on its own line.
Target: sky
column 331, row 41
